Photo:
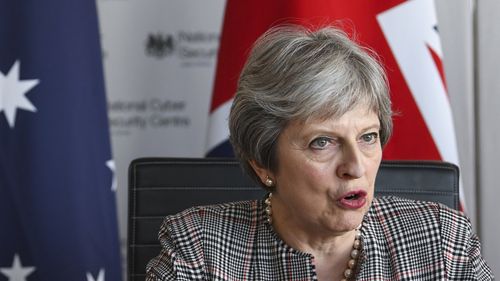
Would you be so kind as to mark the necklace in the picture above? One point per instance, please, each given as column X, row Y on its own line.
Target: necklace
column 351, row 264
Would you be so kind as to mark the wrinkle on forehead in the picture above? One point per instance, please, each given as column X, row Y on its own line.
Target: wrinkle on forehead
column 336, row 111
column 331, row 116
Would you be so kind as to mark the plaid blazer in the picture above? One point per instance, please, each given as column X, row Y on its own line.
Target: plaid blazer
column 401, row 240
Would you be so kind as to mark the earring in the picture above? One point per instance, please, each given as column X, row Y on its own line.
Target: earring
column 269, row 182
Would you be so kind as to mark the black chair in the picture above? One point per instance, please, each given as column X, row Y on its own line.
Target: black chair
column 163, row 186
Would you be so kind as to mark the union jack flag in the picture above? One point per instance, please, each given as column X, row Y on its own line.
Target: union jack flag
column 403, row 33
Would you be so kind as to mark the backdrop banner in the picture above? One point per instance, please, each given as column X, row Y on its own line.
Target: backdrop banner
column 159, row 60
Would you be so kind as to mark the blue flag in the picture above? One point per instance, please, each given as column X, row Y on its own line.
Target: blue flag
column 57, row 199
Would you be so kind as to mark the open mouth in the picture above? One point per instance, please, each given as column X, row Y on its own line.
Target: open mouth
column 353, row 200
column 353, row 196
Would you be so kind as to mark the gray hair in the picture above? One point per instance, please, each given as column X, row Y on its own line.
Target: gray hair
column 293, row 73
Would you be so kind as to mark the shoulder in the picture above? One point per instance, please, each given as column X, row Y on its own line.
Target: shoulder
column 203, row 216
column 448, row 229
column 392, row 205
column 428, row 236
column 191, row 228
column 187, row 237
column 439, row 222
column 194, row 220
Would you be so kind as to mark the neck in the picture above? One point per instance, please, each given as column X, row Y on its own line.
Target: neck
column 318, row 244
column 306, row 236
column 332, row 251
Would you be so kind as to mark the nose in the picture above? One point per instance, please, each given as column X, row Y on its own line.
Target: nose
column 351, row 165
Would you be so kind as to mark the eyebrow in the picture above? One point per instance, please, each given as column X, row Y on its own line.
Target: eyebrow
column 326, row 129
column 374, row 126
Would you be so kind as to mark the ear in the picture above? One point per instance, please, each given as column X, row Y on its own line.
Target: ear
column 261, row 172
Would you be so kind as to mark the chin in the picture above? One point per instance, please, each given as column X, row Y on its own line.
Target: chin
column 346, row 224
column 353, row 221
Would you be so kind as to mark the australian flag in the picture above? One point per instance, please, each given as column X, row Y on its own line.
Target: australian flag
column 57, row 193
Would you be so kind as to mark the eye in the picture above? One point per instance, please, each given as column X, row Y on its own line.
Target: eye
column 369, row 138
column 320, row 143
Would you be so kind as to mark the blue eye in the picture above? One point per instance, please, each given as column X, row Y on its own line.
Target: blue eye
column 370, row 138
column 320, row 143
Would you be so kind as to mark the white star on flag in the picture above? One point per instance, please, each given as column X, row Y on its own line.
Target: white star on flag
column 100, row 276
column 111, row 166
column 12, row 93
column 17, row 272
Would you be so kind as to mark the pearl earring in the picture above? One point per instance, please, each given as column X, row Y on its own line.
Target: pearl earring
column 269, row 182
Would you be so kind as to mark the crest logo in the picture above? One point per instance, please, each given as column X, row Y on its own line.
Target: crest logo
column 160, row 45
column 188, row 48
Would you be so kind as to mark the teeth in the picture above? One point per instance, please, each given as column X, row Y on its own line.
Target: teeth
column 350, row 197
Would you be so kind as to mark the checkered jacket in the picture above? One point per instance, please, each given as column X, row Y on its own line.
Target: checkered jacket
column 401, row 240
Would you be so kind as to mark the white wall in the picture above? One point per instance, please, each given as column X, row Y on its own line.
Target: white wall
column 455, row 27
column 488, row 113
column 471, row 41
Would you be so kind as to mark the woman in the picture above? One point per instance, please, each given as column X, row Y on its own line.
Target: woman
column 308, row 122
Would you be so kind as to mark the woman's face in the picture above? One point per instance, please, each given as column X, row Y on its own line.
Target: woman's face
column 326, row 171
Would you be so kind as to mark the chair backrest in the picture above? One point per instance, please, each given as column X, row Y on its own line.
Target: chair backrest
column 163, row 186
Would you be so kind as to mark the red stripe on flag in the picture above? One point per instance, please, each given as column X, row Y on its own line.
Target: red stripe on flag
column 439, row 66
